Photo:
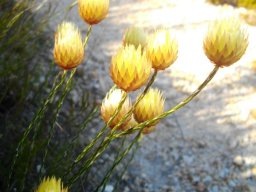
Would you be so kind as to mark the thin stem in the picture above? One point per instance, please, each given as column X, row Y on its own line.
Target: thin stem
column 127, row 165
column 100, row 133
column 37, row 123
column 35, row 119
column 141, row 96
column 71, row 6
column 103, row 145
column 110, row 171
column 172, row 110
column 120, row 158
column 87, row 35
column 59, row 105
column 117, row 155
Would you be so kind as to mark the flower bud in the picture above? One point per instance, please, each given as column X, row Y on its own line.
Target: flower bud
column 51, row 184
column 93, row 11
column 110, row 104
column 130, row 68
column 226, row 41
column 150, row 106
column 68, row 48
column 135, row 36
column 162, row 49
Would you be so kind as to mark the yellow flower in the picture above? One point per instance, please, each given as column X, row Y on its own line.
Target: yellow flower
column 162, row 49
column 150, row 106
column 249, row 4
column 68, row 49
column 110, row 104
column 135, row 36
column 226, row 41
column 130, row 68
column 51, row 185
column 93, row 11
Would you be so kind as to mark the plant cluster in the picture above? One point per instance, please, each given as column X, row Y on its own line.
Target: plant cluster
column 135, row 66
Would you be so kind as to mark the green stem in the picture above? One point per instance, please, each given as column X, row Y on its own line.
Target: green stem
column 71, row 6
column 36, row 124
column 124, row 96
column 127, row 165
column 59, row 105
column 151, row 81
column 104, row 144
column 172, row 110
column 87, row 35
column 120, row 158
column 101, row 132
column 36, row 118
column 117, row 155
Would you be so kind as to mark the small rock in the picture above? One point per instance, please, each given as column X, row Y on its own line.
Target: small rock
column 201, row 144
column 109, row 188
column 224, row 173
column 200, row 187
column 231, row 183
column 207, row 179
column 214, row 189
column 238, row 161
column 195, row 179
column 126, row 189
column 188, row 159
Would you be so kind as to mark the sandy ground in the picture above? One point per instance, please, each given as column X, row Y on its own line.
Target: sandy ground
column 209, row 145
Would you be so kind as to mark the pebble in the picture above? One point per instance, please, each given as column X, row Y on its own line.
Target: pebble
column 207, row 179
column 188, row 159
column 238, row 161
column 214, row 189
column 109, row 188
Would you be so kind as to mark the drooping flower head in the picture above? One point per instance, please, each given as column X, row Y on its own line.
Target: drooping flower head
column 110, row 104
column 162, row 49
column 68, row 48
column 51, row 185
column 130, row 68
column 150, row 106
column 135, row 36
column 93, row 11
column 226, row 41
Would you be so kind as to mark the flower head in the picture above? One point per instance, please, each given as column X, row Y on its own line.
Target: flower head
column 248, row 4
column 162, row 49
column 135, row 36
column 226, row 41
column 110, row 104
column 51, row 185
column 150, row 106
column 93, row 11
column 68, row 48
column 130, row 68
